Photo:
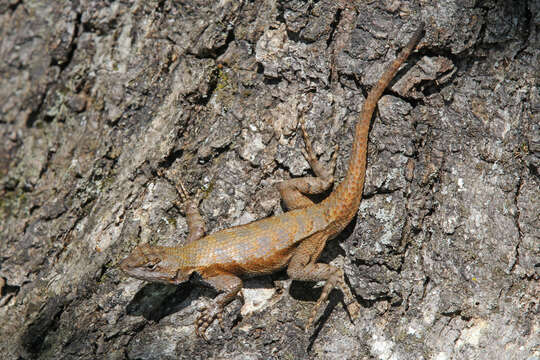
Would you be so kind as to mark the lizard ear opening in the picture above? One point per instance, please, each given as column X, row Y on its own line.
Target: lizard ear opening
column 152, row 265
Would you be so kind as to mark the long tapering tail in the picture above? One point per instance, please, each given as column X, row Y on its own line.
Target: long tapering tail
column 348, row 194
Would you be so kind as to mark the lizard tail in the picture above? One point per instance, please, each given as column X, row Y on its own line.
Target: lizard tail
column 349, row 193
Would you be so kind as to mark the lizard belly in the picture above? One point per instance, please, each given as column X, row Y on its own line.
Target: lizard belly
column 267, row 264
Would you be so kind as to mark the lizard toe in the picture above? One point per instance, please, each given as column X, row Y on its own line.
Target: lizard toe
column 312, row 317
column 220, row 321
column 354, row 310
column 202, row 323
column 206, row 318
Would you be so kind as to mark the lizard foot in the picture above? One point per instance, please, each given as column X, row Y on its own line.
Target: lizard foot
column 325, row 172
column 182, row 192
column 335, row 278
column 206, row 318
column 353, row 309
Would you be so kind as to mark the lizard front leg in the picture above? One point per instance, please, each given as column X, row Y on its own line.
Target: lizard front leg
column 229, row 285
column 292, row 191
column 195, row 222
column 303, row 266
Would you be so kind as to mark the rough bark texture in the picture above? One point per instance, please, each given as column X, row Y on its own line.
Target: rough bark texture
column 95, row 96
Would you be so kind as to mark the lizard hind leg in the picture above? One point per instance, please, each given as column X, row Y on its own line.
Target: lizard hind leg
column 292, row 191
column 303, row 266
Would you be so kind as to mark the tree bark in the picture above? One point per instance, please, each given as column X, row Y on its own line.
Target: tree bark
column 97, row 96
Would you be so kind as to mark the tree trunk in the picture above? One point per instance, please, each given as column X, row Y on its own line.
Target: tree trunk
column 97, row 96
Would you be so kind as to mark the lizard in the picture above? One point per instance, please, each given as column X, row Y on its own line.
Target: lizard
column 292, row 240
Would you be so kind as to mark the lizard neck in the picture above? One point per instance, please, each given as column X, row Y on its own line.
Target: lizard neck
column 345, row 199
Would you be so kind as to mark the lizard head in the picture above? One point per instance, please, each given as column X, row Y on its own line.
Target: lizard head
column 152, row 263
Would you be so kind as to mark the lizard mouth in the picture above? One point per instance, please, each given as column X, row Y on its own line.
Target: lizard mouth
column 143, row 274
column 126, row 267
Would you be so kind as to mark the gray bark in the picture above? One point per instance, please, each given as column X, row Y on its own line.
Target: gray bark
column 95, row 96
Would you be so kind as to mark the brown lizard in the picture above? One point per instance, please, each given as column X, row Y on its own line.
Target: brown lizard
column 292, row 240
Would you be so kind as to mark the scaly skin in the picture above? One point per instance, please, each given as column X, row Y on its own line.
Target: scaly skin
column 293, row 240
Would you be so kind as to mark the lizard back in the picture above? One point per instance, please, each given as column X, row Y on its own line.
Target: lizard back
column 259, row 247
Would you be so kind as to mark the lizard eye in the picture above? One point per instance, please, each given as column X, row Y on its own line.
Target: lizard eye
column 151, row 266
